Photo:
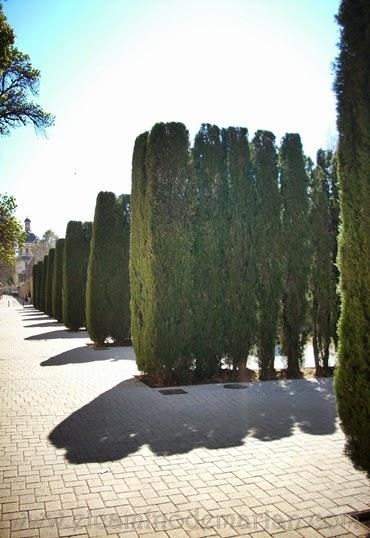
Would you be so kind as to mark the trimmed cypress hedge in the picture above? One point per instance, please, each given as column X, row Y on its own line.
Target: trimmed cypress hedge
column 139, row 254
column 108, row 286
column 43, row 284
column 352, row 381
column 323, row 281
column 34, row 285
column 237, row 232
column 39, row 284
column 210, row 235
column 49, row 283
column 268, row 246
column 159, row 196
column 57, row 286
column 76, row 251
column 296, row 253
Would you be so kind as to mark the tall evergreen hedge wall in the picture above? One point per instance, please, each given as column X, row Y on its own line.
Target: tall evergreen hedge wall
column 49, row 282
column 44, row 284
column 108, row 286
column 39, row 285
column 161, row 321
column 34, row 285
column 352, row 381
column 268, row 247
column 76, row 252
column 57, row 285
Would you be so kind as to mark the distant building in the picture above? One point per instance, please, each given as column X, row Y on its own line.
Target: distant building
column 25, row 255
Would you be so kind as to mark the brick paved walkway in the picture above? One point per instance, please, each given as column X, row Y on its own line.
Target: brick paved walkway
column 86, row 450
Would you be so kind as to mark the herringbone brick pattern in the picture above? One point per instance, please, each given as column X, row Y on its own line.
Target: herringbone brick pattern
column 87, row 450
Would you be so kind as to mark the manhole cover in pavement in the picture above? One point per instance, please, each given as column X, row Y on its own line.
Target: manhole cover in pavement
column 362, row 517
column 234, row 386
column 172, row 392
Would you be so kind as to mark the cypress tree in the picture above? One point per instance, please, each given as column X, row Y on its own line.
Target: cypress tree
column 76, row 249
column 296, row 257
column 352, row 380
column 239, row 299
column 268, row 247
column 140, row 275
column 322, row 272
column 43, row 284
column 39, row 284
column 108, row 287
column 166, row 316
column 57, row 286
column 34, row 285
column 210, row 175
column 49, row 283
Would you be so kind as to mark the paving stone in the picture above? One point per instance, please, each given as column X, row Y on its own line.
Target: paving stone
column 85, row 443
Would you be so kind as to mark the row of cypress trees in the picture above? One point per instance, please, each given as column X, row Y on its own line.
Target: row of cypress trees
column 84, row 281
column 222, row 251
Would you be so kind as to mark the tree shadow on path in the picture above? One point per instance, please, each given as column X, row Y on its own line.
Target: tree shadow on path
column 54, row 323
column 118, row 422
column 63, row 333
column 85, row 354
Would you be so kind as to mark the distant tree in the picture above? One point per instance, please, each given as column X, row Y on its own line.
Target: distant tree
column 268, row 246
column 41, row 247
column 44, row 284
column 57, row 285
column 237, row 237
column 6, row 273
column 296, row 253
column 11, row 232
column 323, row 282
column 18, row 82
column 108, row 286
column 352, row 379
column 209, row 168
column 49, row 283
column 76, row 250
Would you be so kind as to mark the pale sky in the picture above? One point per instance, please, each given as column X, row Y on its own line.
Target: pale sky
column 110, row 69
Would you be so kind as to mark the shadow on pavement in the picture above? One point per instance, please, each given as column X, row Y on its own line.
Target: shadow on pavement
column 63, row 333
column 46, row 324
column 118, row 422
column 84, row 354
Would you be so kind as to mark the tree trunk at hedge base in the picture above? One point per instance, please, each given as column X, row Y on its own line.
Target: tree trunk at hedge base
column 352, row 378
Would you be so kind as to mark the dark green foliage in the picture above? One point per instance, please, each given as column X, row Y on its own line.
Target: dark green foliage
column 49, row 283
column 76, row 252
column 210, row 237
column 296, row 253
column 139, row 255
column 34, row 285
column 43, row 284
column 108, row 286
column 235, row 231
column 160, row 306
column 39, row 285
column 268, row 245
column 323, row 282
column 57, row 286
column 352, row 382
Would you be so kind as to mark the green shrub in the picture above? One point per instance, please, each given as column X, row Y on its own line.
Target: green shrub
column 57, row 286
column 76, row 250
column 268, row 247
column 352, row 381
column 49, row 283
column 108, row 287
